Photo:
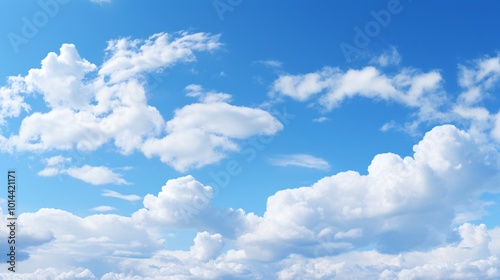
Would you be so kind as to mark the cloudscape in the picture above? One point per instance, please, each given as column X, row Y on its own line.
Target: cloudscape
column 250, row 140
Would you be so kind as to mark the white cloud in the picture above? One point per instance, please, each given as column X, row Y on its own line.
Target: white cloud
column 95, row 175
column 130, row 197
column 131, row 57
column 302, row 160
column 52, row 273
column 202, row 133
column 270, row 63
column 404, row 208
column 60, row 79
column 54, row 166
column 467, row 259
column 391, row 57
column 185, row 203
column 103, row 208
column 58, row 241
column 320, row 119
column 56, row 160
column 49, row 172
column 302, row 87
column 206, row 96
column 403, row 204
column 11, row 101
column 408, row 87
column 88, row 112
column 100, row 1
column 207, row 246
column 94, row 111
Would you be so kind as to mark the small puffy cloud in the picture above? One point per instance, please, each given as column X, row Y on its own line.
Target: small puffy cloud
column 302, row 87
column 98, row 105
column 60, row 79
column 11, row 99
column 320, row 119
column 207, row 246
column 206, row 96
column 391, row 57
column 469, row 258
column 56, row 160
column 129, row 197
column 95, row 175
column 49, row 172
column 54, row 166
column 496, row 129
column 270, row 63
column 302, row 160
column 202, row 133
column 103, row 209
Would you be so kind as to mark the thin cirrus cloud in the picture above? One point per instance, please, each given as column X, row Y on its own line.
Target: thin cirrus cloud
column 128, row 197
column 103, row 208
column 301, row 160
column 95, row 175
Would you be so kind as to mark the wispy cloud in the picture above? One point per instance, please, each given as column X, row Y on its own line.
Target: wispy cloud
column 302, row 160
column 129, row 197
column 270, row 63
column 320, row 119
column 96, row 175
column 103, row 209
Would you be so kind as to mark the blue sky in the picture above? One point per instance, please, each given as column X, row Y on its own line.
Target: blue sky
column 252, row 139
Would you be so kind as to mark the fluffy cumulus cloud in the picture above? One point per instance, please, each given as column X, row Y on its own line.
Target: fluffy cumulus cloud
column 470, row 258
column 401, row 204
column 186, row 203
column 404, row 219
column 202, row 133
column 101, row 104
